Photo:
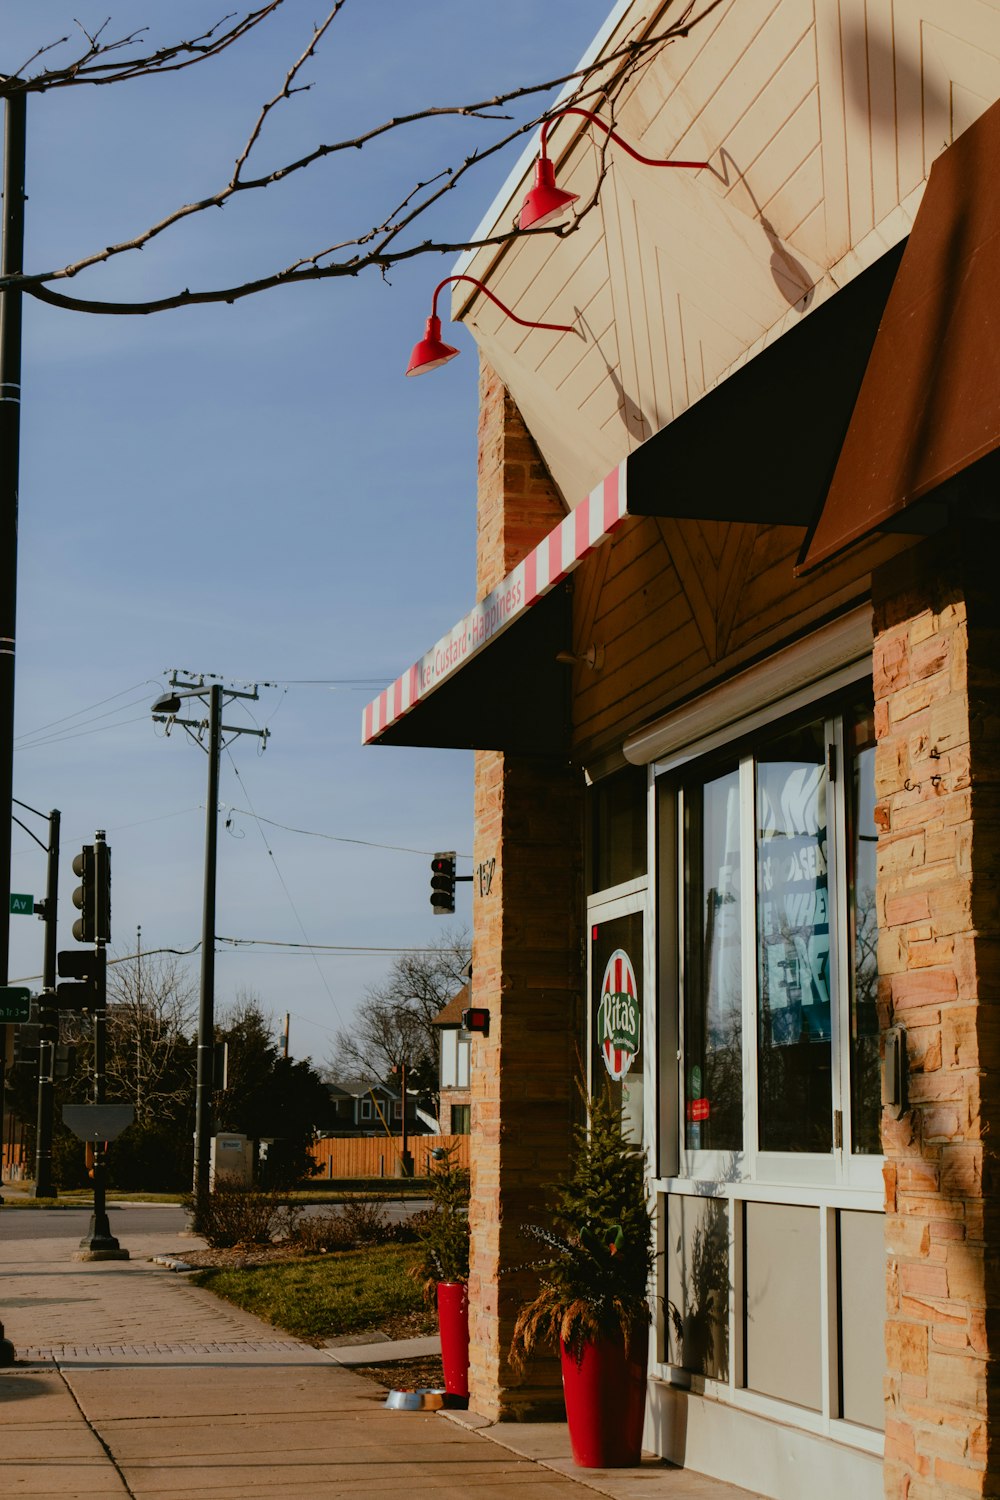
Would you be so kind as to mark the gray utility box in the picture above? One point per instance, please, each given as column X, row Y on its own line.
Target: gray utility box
column 232, row 1161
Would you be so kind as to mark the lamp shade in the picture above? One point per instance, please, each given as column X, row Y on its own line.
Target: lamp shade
column 431, row 352
column 544, row 202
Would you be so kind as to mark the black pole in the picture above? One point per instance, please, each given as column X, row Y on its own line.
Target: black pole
column 49, row 1017
column 405, row 1160
column 99, row 1243
column 11, row 261
column 206, row 1007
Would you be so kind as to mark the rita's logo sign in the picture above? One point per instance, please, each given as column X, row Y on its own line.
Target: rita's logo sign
column 618, row 1016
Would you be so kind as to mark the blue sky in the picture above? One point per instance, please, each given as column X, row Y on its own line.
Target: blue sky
column 255, row 490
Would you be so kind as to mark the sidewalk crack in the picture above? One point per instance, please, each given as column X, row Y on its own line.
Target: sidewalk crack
column 110, row 1456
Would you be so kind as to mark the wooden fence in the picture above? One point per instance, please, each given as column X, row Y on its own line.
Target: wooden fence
column 14, row 1160
column 378, row 1156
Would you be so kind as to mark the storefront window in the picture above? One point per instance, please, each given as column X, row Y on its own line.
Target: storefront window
column 618, row 829
column 777, row 849
column 793, row 943
column 713, row 978
column 865, row 1083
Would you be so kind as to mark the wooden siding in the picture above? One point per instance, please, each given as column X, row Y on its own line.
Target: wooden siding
column 821, row 122
column 377, row 1156
column 678, row 605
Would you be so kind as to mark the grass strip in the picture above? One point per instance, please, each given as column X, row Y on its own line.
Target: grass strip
column 325, row 1296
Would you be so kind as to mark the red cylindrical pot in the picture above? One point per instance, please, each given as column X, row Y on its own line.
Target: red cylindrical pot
column 605, row 1394
column 453, row 1321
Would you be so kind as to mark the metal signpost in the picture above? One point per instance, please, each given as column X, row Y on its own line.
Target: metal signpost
column 98, row 1124
column 15, row 1003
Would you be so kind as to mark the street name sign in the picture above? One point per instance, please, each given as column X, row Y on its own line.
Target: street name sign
column 15, row 1003
column 21, row 905
column 97, row 1122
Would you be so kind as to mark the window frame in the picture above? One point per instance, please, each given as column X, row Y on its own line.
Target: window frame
column 742, row 742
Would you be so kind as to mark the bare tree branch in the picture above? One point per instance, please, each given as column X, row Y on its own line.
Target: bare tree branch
column 377, row 247
column 91, row 65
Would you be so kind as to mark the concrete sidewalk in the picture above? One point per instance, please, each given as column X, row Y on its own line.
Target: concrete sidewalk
column 131, row 1382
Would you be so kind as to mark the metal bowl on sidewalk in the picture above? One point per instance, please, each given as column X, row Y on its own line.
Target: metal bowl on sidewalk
column 424, row 1399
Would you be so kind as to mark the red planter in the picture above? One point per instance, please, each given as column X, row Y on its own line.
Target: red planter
column 606, row 1401
column 453, row 1320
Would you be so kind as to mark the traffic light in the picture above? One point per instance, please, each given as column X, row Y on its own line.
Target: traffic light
column 443, row 883
column 26, row 1038
column 92, row 897
column 90, row 994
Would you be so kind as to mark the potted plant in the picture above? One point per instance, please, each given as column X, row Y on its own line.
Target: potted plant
column 444, row 1269
column 592, row 1304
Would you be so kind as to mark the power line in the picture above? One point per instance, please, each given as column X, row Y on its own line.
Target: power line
column 30, row 733
column 335, row 838
column 283, row 950
column 284, row 887
column 58, row 739
column 308, row 947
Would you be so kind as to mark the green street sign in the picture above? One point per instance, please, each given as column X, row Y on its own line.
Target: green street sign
column 22, row 906
column 15, row 1003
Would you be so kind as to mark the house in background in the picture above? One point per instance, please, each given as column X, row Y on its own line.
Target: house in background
column 454, row 1059
column 732, row 682
column 363, row 1109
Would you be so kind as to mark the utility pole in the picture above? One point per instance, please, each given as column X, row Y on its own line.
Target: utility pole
column 203, row 1125
column 165, row 711
column 11, row 262
column 48, row 1014
column 49, row 1019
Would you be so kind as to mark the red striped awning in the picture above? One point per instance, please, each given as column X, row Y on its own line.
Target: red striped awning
column 537, row 575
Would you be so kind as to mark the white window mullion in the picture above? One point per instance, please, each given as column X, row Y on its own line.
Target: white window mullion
column 748, row 881
column 829, row 1342
column 840, row 1027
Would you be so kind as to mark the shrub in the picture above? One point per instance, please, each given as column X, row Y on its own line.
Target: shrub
column 69, row 1167
column 154, row 1158
column 358, row 1222
column 443, row 1231
column 241, row 1216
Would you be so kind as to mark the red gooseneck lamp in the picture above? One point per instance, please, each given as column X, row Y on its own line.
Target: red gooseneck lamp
column 544, row 203
column 430, row 353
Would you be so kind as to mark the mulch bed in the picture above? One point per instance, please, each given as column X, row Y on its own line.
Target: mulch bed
column 240, row 1257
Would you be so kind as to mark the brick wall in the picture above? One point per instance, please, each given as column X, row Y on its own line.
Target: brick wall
column 936, row 677
column 527, row 958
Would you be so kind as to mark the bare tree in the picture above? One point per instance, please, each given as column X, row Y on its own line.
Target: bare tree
column 96, row 59
column 150, row 1054
column 394, row 1022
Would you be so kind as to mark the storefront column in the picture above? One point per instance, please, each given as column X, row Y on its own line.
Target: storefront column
column 527, row 970
column 936, row 678
column 527, row 956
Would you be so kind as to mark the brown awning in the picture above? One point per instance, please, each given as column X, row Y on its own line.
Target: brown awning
column 762, row 446
column 929, row 406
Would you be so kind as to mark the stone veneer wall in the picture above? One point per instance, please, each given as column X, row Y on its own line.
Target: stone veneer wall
column 527, row 956
column 937, row 705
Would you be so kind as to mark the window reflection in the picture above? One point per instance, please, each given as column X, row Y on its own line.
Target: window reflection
column 713, row 1032
column 862, row 837
column 793, row 934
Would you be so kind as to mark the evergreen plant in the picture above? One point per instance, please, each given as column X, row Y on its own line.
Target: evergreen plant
column 594, row 1281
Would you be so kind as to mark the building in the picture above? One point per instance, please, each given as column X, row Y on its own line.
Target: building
column 454, row 1055
column 731, row 681
column 373, row 1109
